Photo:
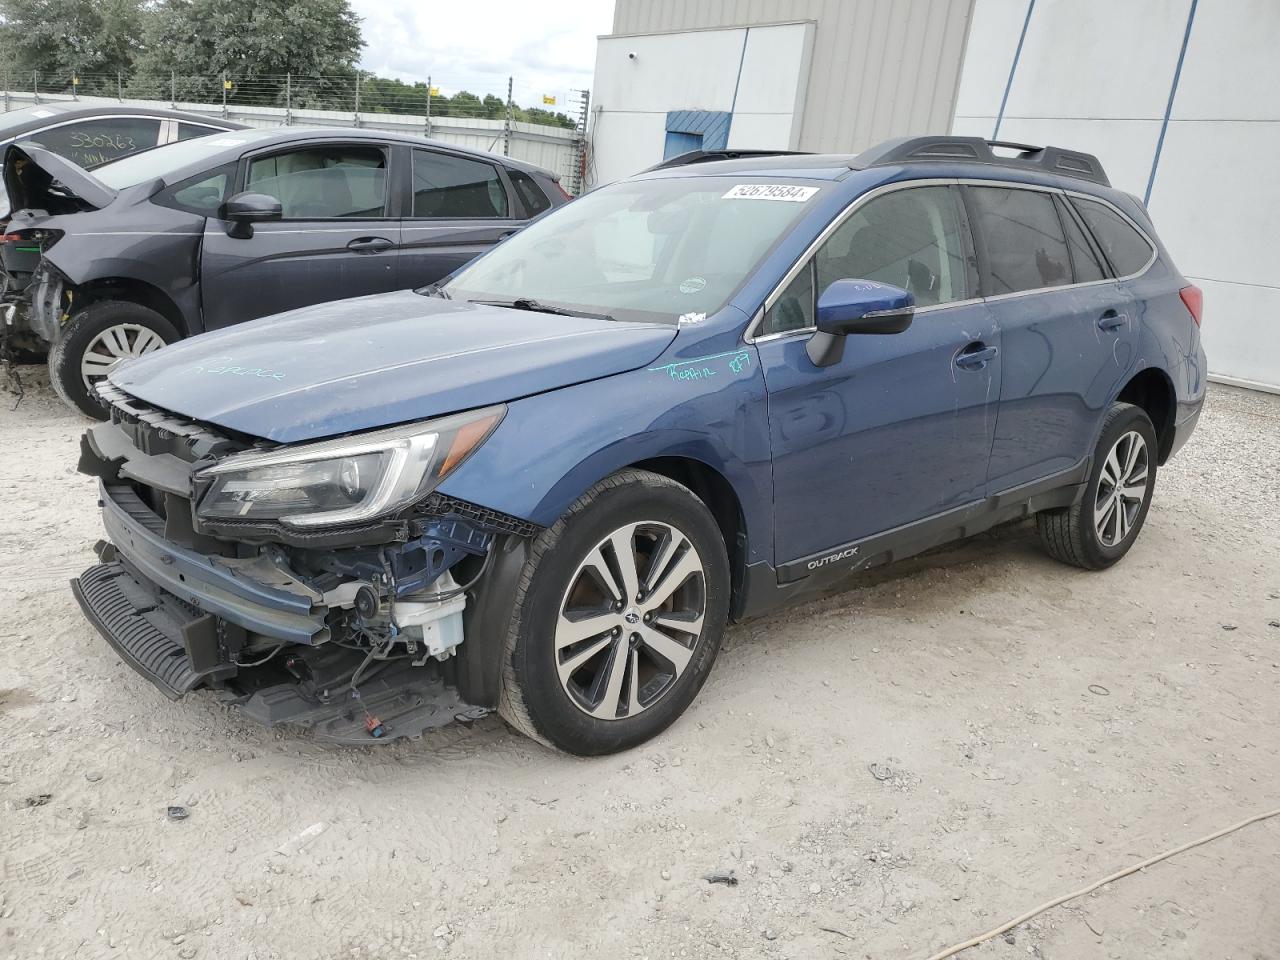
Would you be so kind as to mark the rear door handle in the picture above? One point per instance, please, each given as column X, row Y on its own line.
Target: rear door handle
column 976, row 356
column 1110, row 320
column 370, row 245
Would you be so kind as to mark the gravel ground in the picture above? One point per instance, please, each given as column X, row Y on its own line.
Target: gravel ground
column 887, row 771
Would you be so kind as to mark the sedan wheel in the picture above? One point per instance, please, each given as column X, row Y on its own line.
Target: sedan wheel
column 630, row 619
column 112, row 346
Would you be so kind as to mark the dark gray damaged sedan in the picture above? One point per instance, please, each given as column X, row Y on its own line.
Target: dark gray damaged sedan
column 104, row 266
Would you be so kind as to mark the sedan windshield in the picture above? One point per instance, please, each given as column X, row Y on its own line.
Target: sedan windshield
column 162, row 161
column 651, row 250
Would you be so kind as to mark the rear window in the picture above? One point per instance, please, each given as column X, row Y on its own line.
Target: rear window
column 1127, row 249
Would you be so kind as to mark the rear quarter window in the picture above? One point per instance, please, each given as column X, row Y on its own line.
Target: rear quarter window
column 531, row 195
column 1126, row 248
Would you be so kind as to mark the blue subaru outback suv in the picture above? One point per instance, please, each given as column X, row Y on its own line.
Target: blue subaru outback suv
column 545, row 484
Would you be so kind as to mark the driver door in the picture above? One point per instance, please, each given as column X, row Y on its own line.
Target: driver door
column 339, row 235
column 900, row 428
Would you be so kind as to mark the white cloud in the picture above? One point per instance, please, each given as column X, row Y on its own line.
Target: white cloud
column 476, row 44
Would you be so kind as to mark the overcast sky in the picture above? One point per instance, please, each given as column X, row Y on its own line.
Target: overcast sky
column 549, row 48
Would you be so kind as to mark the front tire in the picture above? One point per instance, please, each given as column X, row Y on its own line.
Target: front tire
column 1098, row 530
column 618, row 616
column 95, row 340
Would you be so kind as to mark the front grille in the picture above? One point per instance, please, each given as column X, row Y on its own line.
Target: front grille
column 155, row 431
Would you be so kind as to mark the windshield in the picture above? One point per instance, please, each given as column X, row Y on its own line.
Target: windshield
column 162, row 161
column 651, row 250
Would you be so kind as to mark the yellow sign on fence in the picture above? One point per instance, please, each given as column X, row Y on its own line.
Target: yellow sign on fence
column 548, row 100
column 433, row 92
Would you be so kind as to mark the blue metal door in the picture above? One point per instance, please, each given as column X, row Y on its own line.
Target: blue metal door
column 679, row 142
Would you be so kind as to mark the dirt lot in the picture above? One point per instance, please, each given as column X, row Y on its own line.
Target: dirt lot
column 887, row 772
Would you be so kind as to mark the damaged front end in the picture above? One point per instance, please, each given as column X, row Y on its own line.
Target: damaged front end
column 325, row 585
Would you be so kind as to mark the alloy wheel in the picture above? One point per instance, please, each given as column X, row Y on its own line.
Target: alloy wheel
column 114, row 345
column 1122, row 488
column 630, row 620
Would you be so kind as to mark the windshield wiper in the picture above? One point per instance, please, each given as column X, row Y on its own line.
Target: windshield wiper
column 433, row 290
column 527, row 303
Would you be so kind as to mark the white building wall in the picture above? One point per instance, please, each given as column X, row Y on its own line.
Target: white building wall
column 879, row 68
column 757, row 74
column 1096, row 75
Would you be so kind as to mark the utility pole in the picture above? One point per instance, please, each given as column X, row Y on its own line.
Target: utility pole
column 35, row 85
column 288, row 99
column 119, row 86
column 357, row 113
column 426, row 131
column 506, row 127
column 173, row 88
column 224, row 94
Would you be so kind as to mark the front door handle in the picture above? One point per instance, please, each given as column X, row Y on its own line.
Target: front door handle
column 976, row 356
column 1110, row 320
column 370, row 245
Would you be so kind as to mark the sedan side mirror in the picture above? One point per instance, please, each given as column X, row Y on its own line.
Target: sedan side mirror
column 245, row 209
column 857, row 307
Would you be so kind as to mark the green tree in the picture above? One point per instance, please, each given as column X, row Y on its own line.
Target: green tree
column 92, row 39
column 256, row 45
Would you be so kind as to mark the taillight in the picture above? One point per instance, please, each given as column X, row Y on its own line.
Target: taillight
column 1193, row 297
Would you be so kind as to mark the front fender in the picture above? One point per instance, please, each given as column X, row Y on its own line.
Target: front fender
column 553, row 447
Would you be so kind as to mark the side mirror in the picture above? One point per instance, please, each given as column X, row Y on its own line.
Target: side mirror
column 857, row 307
column 245, row 209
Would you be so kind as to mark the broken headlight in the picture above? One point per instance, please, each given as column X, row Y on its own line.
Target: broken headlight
column 350, row 480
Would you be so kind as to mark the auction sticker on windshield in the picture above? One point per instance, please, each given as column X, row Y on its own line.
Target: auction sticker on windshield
column 770, row 191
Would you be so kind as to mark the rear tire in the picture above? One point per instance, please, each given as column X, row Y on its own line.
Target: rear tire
column 618, row 617
column 1098, row 530
column 94, row 340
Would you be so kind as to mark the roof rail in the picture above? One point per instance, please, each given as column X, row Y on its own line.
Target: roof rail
column 708, row 156
column 1064, row 163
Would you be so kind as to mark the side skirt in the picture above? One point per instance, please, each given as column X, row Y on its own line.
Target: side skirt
column 766, row 587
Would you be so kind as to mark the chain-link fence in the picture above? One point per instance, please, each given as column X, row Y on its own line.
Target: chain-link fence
column 547, row 129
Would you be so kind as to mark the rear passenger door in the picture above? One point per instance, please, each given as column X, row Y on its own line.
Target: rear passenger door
column 459, row 207
column 1067, row 331
column 339, row 235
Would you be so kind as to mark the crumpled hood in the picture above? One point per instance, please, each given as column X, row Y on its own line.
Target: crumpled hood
column 377, row 361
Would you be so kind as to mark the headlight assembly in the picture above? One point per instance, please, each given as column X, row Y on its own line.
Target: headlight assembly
column 345, row 481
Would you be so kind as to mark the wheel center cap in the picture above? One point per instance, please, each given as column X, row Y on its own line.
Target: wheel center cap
column 632, row 616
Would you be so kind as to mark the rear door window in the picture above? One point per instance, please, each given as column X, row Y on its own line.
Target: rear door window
column 98, row 140
column 324, row 183
column 1084, row 258
column 1127, row 249
column 1026, row 247
column 456, row 188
